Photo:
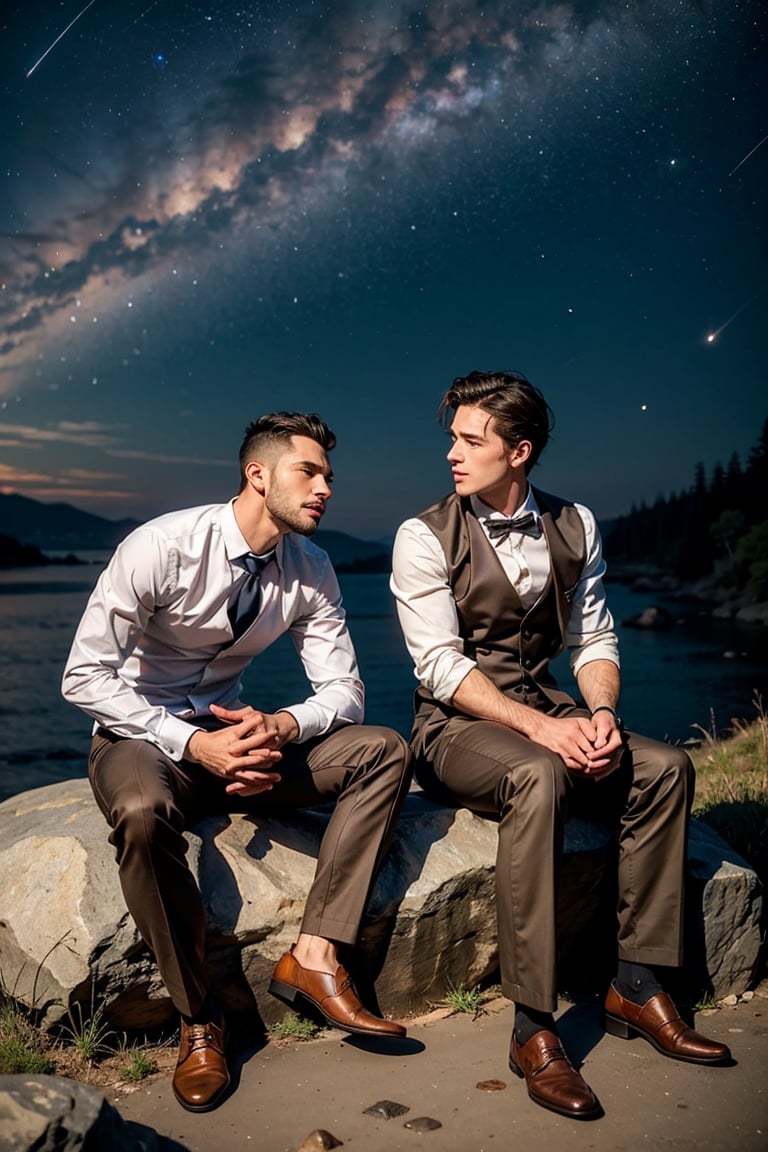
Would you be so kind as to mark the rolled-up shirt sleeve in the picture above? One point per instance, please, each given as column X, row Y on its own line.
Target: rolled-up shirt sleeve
column 121, row 604
column 590, row 634
column 427, row 611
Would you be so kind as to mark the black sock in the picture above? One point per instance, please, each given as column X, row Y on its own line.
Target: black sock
column 636, row 982
column 529, row 1021
column 209, row 1013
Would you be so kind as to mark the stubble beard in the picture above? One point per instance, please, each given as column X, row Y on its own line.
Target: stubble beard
column 280, row 508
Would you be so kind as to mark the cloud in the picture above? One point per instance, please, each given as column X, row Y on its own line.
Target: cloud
column 163, row 458
column 58, row 492
column 11, row 477
column 88, row 474
column 89, row 434
column 68, row 484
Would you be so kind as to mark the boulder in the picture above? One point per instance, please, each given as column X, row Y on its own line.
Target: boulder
column 652, row 619
column 66, row 937
column 724, row 912
column 753, row 613
column 39, row 1112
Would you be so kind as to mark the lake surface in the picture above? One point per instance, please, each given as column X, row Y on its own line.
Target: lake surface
column 701, row 672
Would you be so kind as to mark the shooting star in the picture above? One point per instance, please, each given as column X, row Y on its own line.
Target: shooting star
column 59, row 37
column 748, row 156
column 141, row 16
column 713, row 336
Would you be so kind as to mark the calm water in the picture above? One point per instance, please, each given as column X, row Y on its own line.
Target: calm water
column 699, row 671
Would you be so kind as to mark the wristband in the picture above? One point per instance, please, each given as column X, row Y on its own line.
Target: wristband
column 607, row 708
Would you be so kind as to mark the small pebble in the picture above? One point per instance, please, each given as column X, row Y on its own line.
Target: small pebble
column 491, row 1085
column 386, row 1109
column 730, row 1001
column 422, row 1124
column 319, row 1141
column 747, row 996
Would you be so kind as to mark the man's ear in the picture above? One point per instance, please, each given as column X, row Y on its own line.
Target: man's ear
column 518, row 455
column 256, row 474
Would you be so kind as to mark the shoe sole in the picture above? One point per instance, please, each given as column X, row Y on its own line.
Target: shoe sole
column 289, row 995
column 594, row 1114
column 616, row 1026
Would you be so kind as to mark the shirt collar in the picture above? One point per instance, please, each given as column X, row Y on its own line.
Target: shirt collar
column 484, row 511
column 234, row 541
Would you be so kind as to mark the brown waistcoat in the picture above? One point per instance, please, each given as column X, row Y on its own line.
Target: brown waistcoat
column 510, row 645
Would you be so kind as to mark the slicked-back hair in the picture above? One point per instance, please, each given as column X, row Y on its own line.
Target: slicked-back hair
column 271, row 434
column 518, row 408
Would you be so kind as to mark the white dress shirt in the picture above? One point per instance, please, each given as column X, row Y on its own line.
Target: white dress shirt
column 427, row 610
column 154, row 648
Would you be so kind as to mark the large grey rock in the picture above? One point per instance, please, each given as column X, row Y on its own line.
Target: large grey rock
column 725, row 906
column 65, row 935
column 47, row 1113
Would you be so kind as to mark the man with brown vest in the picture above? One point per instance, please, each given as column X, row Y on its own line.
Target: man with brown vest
column 491, row 583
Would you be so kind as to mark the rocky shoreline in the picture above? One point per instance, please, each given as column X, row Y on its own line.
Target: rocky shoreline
column 707, row 595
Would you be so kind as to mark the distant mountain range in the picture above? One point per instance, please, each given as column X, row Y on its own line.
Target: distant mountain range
column 59, row 527
column 63, row 528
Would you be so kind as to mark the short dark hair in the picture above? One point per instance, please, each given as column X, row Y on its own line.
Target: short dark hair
column 274, row 431
column 518, row 408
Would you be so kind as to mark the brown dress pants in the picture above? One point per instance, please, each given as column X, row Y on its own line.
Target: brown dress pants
column 148, row 800
column 491, row 769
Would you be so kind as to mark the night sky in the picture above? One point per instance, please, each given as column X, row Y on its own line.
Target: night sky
column 213, row 210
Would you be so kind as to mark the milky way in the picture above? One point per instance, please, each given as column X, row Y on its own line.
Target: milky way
column 214, row 172
column 305, row 118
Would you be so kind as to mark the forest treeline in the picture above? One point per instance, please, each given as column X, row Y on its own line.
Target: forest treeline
column 719, row 527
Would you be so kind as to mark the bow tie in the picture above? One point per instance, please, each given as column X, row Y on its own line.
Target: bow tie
column 527, row 524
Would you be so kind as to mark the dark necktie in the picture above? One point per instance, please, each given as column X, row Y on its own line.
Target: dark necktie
column 245, row 608
column 528, row 524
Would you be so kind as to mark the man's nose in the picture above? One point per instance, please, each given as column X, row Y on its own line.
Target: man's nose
column 322, row 488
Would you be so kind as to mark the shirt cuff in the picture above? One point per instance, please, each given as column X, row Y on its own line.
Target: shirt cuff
column 173, row 737
column 310, row 720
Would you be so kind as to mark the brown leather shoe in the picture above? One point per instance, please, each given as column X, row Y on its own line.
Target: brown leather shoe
column 331, row 994
column 201, row 1077
column 552, row 1080
column 659, row 1022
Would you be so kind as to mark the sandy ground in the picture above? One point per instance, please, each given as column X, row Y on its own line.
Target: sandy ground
column 281, row 1094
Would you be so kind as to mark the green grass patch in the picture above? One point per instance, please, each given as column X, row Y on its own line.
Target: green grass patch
column 90, row 1036
column 23, row 1048
column 732, row 789
column 463, row 1000
column 293, row 1027
column 139, row 1066
column 705, row 1003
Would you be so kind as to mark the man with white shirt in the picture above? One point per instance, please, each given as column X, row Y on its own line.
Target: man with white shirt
column 186, row 603
column 490, row 584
